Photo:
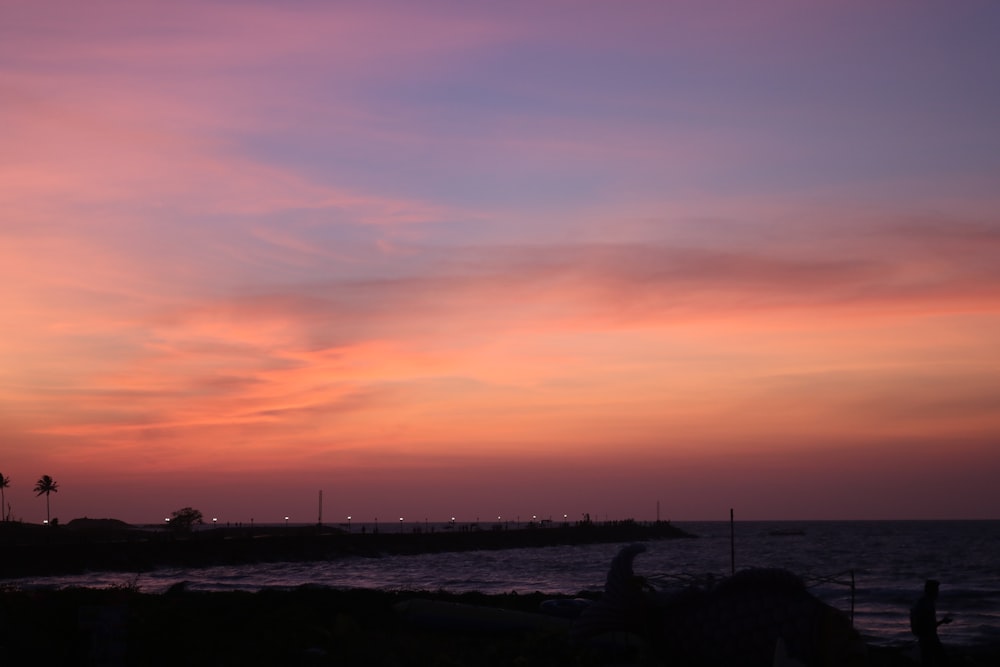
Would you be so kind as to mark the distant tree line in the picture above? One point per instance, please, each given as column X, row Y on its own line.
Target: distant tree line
column 44, row 486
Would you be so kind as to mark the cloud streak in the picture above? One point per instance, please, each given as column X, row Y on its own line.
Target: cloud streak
column 380, row 239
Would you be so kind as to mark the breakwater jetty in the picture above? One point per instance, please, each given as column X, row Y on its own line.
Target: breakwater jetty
column 93, row 545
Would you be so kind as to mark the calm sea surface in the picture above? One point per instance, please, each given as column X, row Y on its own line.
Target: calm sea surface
column 889, row 561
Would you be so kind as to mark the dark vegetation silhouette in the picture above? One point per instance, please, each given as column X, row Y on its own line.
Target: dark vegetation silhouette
column 46, row 485
column 183, row 520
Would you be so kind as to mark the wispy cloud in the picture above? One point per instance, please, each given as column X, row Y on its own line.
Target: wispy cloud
column 265, row 237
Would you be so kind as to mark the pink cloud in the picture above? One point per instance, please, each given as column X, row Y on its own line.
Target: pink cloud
column 319, row 238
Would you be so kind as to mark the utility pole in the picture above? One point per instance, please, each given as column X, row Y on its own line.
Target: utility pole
column 732, row 540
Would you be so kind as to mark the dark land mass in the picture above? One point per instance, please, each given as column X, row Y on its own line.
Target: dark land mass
column 110, row 545
column 122, row 625
column 319, row 626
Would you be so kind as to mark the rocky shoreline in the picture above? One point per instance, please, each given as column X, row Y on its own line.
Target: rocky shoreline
column 318, row 626
column 100, row 545
column 122, row 625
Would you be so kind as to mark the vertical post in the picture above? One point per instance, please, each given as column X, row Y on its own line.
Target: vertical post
column 319, row 521
column 852, row 597
column 732, row 541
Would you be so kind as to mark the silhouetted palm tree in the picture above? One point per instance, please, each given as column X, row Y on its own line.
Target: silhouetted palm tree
column 46, row 485
column 4, row 483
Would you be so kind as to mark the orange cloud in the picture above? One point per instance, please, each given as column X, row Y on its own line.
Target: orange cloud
column 432, row 242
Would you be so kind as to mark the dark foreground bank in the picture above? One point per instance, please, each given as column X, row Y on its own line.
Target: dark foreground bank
column 95, row 545
column 311, row 626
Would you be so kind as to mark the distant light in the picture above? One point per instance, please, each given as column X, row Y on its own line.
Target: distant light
column 214, row 519
column 45, row 521
column 167, row 519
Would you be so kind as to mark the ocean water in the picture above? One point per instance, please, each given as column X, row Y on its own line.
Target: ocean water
column 887, row 561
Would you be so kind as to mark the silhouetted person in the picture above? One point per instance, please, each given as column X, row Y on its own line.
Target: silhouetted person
column 924, row 624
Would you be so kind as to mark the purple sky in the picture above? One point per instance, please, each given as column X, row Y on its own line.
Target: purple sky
column 447, row 258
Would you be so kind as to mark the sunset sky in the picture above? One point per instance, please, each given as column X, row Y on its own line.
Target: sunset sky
column 475, row 259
